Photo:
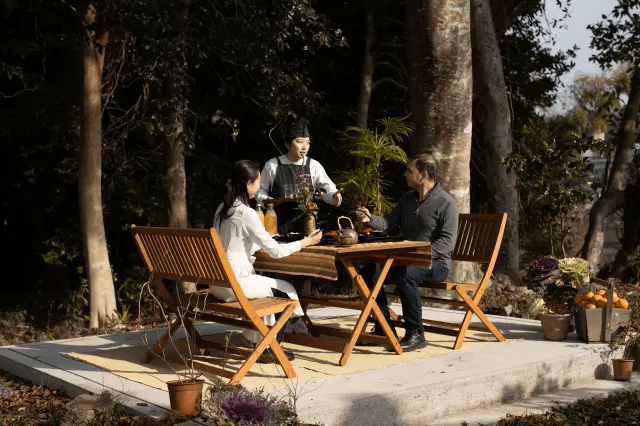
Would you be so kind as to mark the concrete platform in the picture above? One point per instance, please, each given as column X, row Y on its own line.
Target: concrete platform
column 478, row 385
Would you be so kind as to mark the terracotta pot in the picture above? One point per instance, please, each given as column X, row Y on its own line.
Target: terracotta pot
column 185, row 396
column 555, row 327
column 622, row 369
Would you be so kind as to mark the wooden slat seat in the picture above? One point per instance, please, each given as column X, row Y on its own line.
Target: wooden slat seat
column 479, row 240
column 197, row 255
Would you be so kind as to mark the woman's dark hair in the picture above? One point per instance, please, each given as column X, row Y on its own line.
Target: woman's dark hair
column 425, row 161
column 243, row 171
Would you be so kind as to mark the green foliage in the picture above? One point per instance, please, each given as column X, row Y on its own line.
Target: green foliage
column 552, row 178
column 365, row 185
column 616, row 36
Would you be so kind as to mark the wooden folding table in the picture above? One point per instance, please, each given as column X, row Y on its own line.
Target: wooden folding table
column 320, row 261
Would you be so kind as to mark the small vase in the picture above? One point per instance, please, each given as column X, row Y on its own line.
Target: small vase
column 185, row 396
column 622, row 369
column 309, row 223
column 555, row 327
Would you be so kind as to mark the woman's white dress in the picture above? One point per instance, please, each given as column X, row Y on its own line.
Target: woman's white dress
column 243, row 234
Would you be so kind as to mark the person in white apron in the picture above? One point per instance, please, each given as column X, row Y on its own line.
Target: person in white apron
column 286, row 170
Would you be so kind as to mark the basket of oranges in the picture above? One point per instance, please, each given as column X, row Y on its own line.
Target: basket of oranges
column 596, row 308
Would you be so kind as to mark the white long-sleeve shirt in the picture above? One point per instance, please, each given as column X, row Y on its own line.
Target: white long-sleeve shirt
column 243, row 234
column 319, row 178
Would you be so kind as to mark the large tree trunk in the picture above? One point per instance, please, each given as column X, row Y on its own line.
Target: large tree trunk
column 366, row 84
column 613, row 195
column 175, row 173
column 630, row 248
column 102, row 294
column 494, row 118
column 440, row 77
column 175, row 177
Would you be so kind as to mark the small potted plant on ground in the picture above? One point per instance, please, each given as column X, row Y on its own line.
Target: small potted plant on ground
column 627, row 340
column 185, row 393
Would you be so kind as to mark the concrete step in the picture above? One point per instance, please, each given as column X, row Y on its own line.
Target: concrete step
column 489, row 416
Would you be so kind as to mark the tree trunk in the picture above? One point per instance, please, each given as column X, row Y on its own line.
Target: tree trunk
column 612, row 197
column 175, row 177
column 440, row 78
column 630, row 248
column 366, row 85
column 102, row 294
column 494, row 118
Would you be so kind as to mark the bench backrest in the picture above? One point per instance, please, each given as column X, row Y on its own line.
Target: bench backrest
column 479, row 237
column 185, row 253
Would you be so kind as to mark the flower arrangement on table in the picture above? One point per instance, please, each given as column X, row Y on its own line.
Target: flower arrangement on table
column 304, row 195
column 557, row 282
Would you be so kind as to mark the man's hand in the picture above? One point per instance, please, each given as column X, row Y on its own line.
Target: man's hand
column 363, row 215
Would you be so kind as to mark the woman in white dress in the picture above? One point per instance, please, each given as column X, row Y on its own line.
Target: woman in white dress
column 242, row 234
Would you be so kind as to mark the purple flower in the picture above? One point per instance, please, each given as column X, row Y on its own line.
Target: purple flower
column 239, row 408
column 543, row 267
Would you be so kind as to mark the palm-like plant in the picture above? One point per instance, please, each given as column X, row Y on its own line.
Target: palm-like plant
column 365, row 184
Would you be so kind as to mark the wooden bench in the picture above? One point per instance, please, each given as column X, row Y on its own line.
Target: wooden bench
column 479, row 240
column 196, row 255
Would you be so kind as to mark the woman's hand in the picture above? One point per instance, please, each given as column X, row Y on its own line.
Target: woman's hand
column 362, row 214
column 337, row 198
column 313, row 239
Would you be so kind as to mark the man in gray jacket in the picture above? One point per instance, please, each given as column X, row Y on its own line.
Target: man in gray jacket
column 426, row 213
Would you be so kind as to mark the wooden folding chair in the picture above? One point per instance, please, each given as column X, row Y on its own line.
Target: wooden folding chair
column 479, row 240
column 197, row 255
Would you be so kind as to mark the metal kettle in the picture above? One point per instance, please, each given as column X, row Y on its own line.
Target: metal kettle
column 346, row 236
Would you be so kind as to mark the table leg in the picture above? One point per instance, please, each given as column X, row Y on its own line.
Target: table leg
column 369, row 297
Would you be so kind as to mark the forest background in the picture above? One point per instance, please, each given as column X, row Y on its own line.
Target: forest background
column 119, row 112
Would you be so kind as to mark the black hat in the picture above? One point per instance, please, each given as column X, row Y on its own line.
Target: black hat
column 299, row 129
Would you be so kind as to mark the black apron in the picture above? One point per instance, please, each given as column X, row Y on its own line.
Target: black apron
column 290, row 219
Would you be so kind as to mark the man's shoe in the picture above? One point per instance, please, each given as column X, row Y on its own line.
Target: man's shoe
column 413, row 340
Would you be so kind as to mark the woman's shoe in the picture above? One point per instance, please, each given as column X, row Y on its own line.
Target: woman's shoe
column 290, row 356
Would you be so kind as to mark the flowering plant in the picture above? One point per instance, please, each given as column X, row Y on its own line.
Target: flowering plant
column 304, row 195
column 574, row 271
column 543, row 271
column 557, row 282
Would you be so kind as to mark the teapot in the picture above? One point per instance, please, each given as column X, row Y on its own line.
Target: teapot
column 347, row 236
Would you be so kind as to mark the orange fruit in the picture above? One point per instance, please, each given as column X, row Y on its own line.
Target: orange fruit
column 595, row 298
column 623, row 304
column 602, row 303
column 615, row 298
column 590, row 306
column 588, row 295
column 601, row 292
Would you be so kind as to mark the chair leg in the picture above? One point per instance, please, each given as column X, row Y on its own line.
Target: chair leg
column 269, row 339
column 472, row 308
column 156, row 349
